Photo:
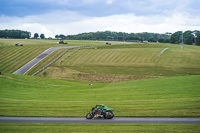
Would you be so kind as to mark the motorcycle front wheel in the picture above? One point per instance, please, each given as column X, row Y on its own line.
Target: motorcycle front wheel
column 109, row 115
column 89, row 116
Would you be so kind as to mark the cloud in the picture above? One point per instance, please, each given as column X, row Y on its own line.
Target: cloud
column 77, row 16
column 90, row 1
column 100, row 8
column 73, row 23
column 62, row 2
column 109, row 2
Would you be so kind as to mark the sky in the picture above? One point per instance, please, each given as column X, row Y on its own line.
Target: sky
column 69, row 17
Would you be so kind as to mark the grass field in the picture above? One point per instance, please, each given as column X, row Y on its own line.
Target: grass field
column 126, row 62
column 136, row 61
column 160, row 97
column 13, row 57
column 114, row 63
column 163, row 97
column 99, row 128
column 167, row 86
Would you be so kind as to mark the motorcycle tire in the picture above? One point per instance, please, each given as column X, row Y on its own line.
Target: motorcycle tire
column 110, row 115
column 89, row 116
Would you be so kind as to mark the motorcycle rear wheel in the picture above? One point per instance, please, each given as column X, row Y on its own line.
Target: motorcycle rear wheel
column 109, row 115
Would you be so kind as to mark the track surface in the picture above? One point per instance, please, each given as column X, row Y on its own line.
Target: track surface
column 37, row 59
column 84, row 120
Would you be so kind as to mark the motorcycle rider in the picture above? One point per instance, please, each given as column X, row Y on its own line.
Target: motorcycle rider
column 101, row 108
column 100, row 111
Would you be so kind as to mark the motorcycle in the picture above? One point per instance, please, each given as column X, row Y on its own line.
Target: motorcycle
column 100, row 111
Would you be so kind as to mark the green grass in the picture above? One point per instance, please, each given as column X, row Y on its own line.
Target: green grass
column 104, row 64
column 127, row 60
column 164, row 97
column 40, row 42
column 99, row 128
column 13, row 57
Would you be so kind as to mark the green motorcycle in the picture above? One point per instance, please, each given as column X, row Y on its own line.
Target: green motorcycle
column 100, row 111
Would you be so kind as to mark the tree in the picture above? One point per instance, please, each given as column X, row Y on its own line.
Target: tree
column 36, row 35
column 195, row 32
column 62, row 36
column 151, row 40
column 198, row 39
column 56, row 36
column 166, row 41
column 176, row 37
column 161, row 40
column 188, row 37
column 42, row 36
column 24, row 35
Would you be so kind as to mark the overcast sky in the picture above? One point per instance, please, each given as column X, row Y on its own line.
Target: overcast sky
column 69, row 17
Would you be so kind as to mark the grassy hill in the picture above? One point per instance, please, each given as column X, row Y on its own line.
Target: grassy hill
column 164, row 97
column 126, row 62
column 13, row 57
column 34, row 96
column 168, row 85
column 114, row 63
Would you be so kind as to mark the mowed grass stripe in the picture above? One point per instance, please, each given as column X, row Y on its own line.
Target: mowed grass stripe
column 78, row 57
column 63, row 58
column 8, row 52
column 10, row 60
column 21, row 58
column 125, row 58
column 17, row 54
column 86, row 58
column 117, row 57
column 180, row 58
column 133, row 57
column 14, row 54
column 17, row 58
column 136, row 61
column 191, row 57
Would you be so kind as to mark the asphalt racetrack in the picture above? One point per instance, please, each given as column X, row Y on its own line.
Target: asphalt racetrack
column 37, row 59
column 84, row 120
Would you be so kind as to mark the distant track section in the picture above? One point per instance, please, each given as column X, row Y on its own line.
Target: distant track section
column 37, row 59
column 158, row 56
column 84, row 120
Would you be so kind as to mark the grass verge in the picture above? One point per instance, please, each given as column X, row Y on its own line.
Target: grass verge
column 99, row 128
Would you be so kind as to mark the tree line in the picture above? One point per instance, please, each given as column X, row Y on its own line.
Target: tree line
column 19, row 34
column 14, row 34
column 187, row 37
column 36, row 35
